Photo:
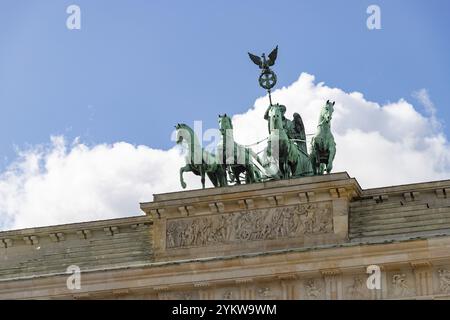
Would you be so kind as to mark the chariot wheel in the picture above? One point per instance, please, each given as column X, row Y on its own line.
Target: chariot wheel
column 267, row 79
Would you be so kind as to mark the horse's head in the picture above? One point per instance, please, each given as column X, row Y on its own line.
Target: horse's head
column 183, row 133
column 327, row 112
column 225, row 123
column 186, row 137
column 275, row 114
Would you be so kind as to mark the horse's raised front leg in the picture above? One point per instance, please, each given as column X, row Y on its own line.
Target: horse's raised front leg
column 202, row 172
column 222, row 178
column 332, row 153
column 322, row 168
column 186, row 168
column 313, row 158
column 213, row 178
column 249, row 174
column 286, row 169
column 236, row 172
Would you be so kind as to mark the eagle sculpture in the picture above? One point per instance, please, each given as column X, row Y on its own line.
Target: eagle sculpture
column 262, row 62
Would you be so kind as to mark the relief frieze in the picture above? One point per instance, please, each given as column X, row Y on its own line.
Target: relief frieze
column 250, row 225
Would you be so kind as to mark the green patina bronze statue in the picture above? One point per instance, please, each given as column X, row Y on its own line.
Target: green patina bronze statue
column 286, row 155
column 198, row 160
column 323, row 147
column 236, row 158
column 295, row 129
column 293, row 161
column 267, row 78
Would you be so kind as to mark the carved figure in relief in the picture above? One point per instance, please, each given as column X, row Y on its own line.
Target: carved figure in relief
column 222, row 231
column 358, row 289
column 444, row 280
column 184, row 296
column 265, row 292
column 171, row 235
column 244, row 226
column 307, row 216
column 323, row 220
column 312, row 291
column 400, row 285
column 163, row 296
column 285, row 223
column 228, row 295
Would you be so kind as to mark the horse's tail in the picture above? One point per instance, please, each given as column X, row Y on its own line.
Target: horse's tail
column 313, row 143
column 253, row 155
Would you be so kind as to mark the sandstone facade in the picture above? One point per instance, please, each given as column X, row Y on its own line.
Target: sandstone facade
column 307, row 238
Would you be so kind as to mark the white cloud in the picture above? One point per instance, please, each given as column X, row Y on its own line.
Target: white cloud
column 62, row 183
column 424, row 98
column 380, row 145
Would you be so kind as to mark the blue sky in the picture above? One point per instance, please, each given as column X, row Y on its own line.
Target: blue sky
column 136, row 68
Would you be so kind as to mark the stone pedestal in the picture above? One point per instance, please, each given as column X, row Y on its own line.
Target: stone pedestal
column 246, row 219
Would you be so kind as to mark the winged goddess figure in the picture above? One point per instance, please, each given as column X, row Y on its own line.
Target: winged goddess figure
column 264, row 63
